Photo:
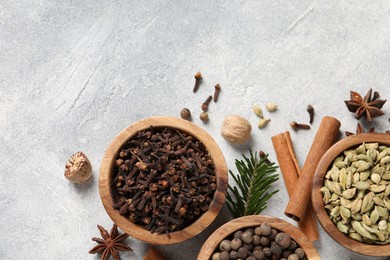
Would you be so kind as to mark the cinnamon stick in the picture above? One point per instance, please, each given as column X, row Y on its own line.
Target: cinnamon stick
column 153, row 254
column 289, row 167
column 324, row 139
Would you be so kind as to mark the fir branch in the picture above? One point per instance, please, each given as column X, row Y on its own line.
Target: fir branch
column 250, row 195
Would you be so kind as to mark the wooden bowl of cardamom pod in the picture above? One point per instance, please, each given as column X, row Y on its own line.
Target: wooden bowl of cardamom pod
column 229, row 230
column 351, row 191
column 163, row 180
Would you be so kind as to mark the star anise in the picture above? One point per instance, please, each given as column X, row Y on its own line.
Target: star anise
column 359, row 130
column 369, row 106
column 111, row 243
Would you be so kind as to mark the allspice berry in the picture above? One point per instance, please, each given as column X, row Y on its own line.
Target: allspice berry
column 299, row 252
column 78, row 169
column 243, row 253
column 293, row 257
column 236, row 244
column 233, row 255
column 236, row 129
column 258, row 254
column 224, row 255
column 185, row 113
column 204, row 116
column 225, row 245
column 216, row 256
column 283, row 240
column 265, row 229
column 247, row 237
column 238, row 234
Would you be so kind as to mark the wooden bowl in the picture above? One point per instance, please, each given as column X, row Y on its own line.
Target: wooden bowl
column 224, row 231
column 137, row 231
column 318, row 204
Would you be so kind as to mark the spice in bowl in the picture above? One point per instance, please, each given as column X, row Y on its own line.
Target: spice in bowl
column 259, row 242
column 164, row 180
column 356, row 193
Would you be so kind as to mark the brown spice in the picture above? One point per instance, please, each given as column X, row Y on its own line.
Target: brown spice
column 294, row 125
column 185, row 113
column 111, row 243
column 205, row 105
column 310, row 110
column 368, row 107
column 216, row 92
column 198, row 79
column 169, row 180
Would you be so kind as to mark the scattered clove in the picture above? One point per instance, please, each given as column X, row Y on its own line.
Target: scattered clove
column 310, row 110
column 294, row 125
column 216, row 92
column 198, row 79
column 205, row 105
column 163, row 179
column 185, row 113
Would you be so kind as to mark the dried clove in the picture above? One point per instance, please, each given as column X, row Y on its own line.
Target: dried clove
column 163, row 179
column 198, row 79
column 294, row 125
column 310, row 110
column 205, row 105
column 216, row 92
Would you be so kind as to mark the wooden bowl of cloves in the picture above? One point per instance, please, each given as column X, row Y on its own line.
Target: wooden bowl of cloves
column 351, row 193
column 163, row 180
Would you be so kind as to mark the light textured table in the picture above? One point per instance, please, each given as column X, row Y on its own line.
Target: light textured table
column 75, row 73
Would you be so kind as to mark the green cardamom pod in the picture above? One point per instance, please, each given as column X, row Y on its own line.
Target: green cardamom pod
column 348, row 194
column 361, row 185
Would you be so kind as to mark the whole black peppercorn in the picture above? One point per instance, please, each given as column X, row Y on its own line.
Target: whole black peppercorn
column 283, row 240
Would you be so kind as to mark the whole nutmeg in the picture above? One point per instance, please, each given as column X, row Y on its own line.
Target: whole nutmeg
column 78, row 169
column 283, row 240
column 225, row 245
column 236, row 129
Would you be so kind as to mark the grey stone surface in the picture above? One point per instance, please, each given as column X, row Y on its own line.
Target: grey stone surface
column 75, row 73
